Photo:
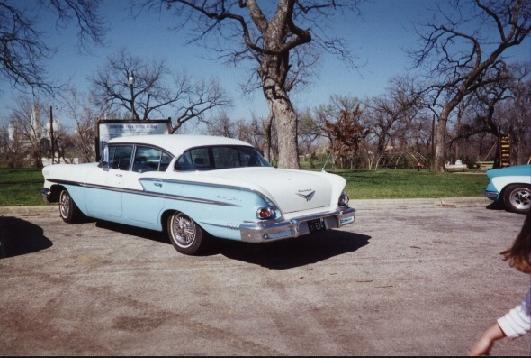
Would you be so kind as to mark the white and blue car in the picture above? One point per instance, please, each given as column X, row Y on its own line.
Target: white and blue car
column 512, row 186
column 189, row 185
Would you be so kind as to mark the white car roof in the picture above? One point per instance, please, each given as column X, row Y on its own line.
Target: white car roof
column 176, row 144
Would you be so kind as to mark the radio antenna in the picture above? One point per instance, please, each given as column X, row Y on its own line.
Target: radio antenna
column 326, row 162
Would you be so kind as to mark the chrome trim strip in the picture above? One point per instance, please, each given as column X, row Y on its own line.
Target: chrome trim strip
column 144, row 193
column 209, row 185
column 231, row 227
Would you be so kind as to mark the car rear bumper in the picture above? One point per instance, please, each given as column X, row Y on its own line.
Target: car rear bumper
column 45, row 193
column 267, row 231
column 492, row 195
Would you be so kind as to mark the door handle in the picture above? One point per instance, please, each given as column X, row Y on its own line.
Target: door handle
column 159, row 185
column 119, row 175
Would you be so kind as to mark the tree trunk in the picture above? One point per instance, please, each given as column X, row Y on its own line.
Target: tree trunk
column 458, row 132
column 268, row 131
column 273, row 72
column 440, row 142
column 286, row 124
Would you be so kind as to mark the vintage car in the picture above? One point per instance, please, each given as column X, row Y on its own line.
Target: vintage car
column 188, row 185
column 512, row 186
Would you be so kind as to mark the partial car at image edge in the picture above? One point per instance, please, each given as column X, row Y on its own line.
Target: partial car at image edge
column 511, row 186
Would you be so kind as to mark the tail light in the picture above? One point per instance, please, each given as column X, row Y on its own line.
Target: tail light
column 267, row 212
column 343, row 199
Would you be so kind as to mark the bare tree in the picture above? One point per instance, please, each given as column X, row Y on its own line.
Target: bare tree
column 221, row 125
column 308, row 131
column 23, row 48
column 501, row 108
column 390, row 116
column 26, row 121
column 463, row 58
column 128, row 82
column 268, row 36
column 78, row 108
column 197, row 99
column 251, row 132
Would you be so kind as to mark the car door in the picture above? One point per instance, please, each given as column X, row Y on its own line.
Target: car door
column 105, row 196
column 142, row 207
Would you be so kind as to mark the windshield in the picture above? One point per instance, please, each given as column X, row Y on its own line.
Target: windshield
column 220, row 157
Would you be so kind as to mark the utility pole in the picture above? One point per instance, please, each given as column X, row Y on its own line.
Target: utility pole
column 434, row 119
column 131, row 83
column 52, row 149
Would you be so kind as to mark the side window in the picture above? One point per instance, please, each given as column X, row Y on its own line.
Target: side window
column 184, row 162
column 147, row 159
column 164, row 161
column 120, row 156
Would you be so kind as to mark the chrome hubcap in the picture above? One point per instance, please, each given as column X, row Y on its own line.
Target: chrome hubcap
column 520, row 198
column 182, row 230
column 64, row 204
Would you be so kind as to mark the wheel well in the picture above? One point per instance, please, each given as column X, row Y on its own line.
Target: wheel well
column 164, row 219
column 502, row 192
column 55, row 190
column 167, row 213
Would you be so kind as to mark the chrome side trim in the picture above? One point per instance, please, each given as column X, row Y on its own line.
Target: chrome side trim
column 209, row 185
column 231, row 227
column 144, row 193
column 266, row 231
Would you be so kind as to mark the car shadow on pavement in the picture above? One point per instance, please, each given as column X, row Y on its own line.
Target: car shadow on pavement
column 496, row 205
column 280, row 255
column 287, row 254
column 134, row 231
column 18, row 237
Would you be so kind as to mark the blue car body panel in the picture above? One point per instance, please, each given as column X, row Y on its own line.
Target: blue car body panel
column 515, row 174
column 517, row 170
column 220, row 216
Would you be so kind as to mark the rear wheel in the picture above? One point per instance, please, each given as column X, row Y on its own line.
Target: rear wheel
column 185, row 235
column 517, row 198
column 68, row 210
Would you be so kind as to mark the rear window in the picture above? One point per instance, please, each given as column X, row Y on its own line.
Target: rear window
column 220, row 157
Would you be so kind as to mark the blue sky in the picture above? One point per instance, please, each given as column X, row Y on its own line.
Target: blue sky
column 379, row 38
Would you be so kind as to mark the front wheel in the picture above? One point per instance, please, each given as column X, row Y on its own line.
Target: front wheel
column 517, row 198
column 185, row 235
column 68, row 210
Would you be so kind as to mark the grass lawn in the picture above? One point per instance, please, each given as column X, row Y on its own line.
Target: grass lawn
column 21, row 186
column 410, row 183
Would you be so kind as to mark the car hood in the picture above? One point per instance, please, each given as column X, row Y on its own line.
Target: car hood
column 68, row 171
column 291, row 190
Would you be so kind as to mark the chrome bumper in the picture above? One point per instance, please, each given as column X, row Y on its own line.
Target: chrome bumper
column 492, row 195
column 266, row 231
column 45, row 193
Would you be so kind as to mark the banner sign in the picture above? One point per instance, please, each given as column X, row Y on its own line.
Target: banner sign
column 109, row 129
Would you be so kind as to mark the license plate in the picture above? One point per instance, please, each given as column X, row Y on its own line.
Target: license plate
column 316, row 225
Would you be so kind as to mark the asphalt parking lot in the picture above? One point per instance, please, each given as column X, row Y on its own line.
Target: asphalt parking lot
column 410, row 277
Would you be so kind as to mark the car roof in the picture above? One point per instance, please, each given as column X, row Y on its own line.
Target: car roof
column 176, row 144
